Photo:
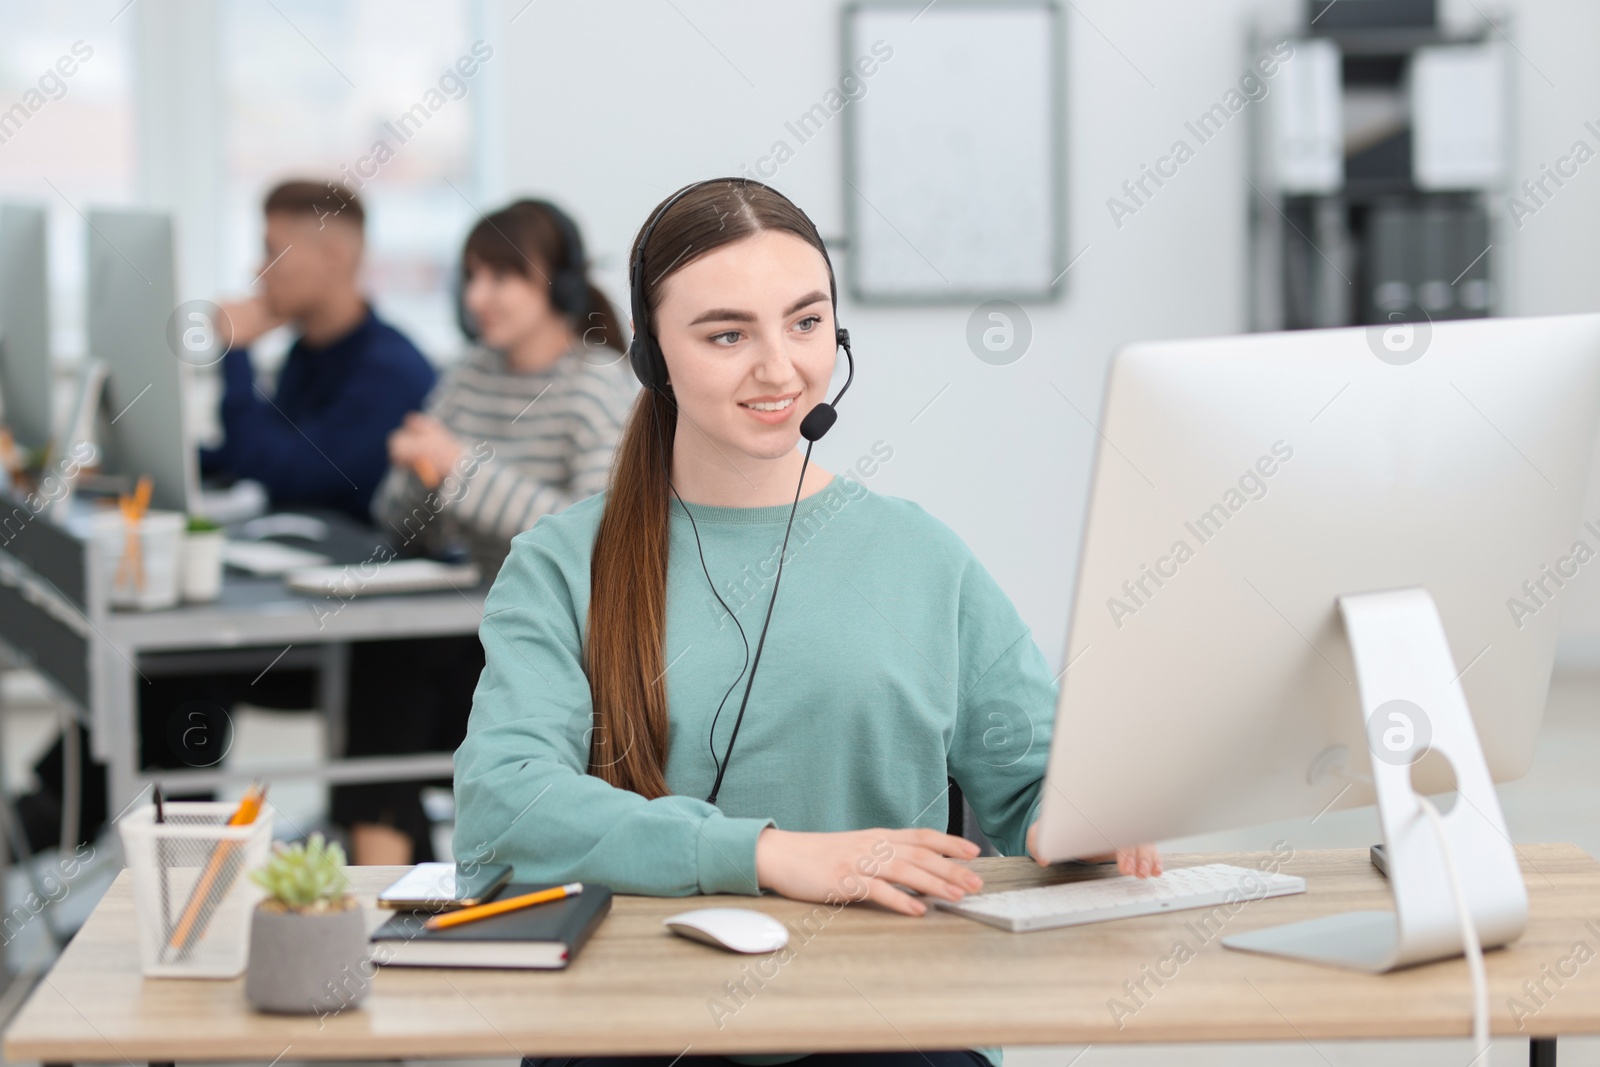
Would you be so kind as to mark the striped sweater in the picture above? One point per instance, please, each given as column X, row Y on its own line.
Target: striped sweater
column 535, row 443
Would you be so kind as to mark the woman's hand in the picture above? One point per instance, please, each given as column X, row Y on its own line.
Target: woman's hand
column 424, row 444
column 1141, row 861
column 861, row 864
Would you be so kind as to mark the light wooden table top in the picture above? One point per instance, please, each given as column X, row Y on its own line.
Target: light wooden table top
column 864, row 979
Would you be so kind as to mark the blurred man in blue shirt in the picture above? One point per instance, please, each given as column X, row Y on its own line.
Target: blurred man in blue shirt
column 321, row 439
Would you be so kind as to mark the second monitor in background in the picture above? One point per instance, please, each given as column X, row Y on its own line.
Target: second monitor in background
column 132, row 299
column 25, row 371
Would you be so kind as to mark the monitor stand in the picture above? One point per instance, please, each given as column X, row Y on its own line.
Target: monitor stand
column 1412, row 700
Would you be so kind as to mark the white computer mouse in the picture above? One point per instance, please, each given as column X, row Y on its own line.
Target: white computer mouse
column 735, row 929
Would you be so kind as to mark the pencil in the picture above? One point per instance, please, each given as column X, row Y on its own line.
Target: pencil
column 133, row 510
column 427, row 473
column 201, row 903
column 500, row 907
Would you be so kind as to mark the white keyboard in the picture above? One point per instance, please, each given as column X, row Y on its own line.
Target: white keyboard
column 395, row 576
column 264, row 559
column 1098, row 899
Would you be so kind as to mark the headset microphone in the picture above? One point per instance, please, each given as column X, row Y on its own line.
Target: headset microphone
column 821, row 418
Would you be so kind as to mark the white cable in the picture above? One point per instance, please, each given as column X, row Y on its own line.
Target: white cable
column 1472, row 948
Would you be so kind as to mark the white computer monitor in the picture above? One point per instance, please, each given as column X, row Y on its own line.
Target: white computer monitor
column 25, row 372
column 1247, row 492
column 132, row 299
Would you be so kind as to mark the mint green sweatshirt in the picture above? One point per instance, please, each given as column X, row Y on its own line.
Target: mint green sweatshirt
column 893, row 662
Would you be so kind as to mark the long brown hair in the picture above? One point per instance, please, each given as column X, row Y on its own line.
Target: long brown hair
column 523, row 238
column 624, row 653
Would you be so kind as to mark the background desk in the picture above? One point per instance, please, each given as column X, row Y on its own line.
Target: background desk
column 866, row 979
column 54, row 614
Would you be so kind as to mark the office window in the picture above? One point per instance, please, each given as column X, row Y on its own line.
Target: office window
column 368, row 90
column 67, row 132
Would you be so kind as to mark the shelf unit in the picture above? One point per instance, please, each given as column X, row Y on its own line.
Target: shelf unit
column 1378, row 248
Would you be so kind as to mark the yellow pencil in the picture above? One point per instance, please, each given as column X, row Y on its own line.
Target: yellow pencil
column 500, row 907
column 427, row 473
column 202, row 901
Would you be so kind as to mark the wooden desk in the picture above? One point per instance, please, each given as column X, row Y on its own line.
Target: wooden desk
column 865, row 979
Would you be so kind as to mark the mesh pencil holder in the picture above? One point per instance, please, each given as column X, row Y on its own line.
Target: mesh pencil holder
column 192, row 896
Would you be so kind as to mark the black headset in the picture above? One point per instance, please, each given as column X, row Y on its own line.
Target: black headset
column 644, row 353
column 569, row 285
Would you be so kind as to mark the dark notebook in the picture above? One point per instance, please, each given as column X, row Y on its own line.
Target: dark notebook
column 545, row 936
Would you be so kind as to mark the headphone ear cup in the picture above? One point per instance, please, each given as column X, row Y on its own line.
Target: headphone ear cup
column 569, row 294
column 569, row 289
column 639, row 359
column 464, row 319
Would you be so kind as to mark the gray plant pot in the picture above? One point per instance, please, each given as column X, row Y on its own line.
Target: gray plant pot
column 305, row 964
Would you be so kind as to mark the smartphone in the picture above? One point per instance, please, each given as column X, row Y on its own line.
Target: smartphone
column 445, row 886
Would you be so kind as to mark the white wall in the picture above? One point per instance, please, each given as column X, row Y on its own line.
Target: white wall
column 610, row 105
column 1550, row 262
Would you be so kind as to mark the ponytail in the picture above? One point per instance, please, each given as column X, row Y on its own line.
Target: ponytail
column 598, row 327
column 624, row 654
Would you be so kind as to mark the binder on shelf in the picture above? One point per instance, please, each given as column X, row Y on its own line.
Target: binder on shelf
column 1457, row 117
column 1390, row 279
column 1474, row 288
column 1427, row 257
column 1436, row 254
column 1305, row 124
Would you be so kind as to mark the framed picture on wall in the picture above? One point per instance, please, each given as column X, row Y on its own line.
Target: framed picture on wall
column 953, row 160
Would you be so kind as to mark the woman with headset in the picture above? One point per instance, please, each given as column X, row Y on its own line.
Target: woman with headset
column 614, row 699
column 523, row 426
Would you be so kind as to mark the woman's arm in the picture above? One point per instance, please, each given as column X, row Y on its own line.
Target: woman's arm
column 1006, row 718
column 403, row 505
column 398, row 507
column 1002, row 737
column 523, row 794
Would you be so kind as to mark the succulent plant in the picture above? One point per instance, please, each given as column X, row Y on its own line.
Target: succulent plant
column 305, row 876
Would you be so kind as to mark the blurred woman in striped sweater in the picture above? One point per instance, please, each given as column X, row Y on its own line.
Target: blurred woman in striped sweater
column 523, row 426
column 545, row 388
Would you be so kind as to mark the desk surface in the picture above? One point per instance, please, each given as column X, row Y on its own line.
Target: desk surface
column 263, row 611
column 863, row 979
column 254, row 610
